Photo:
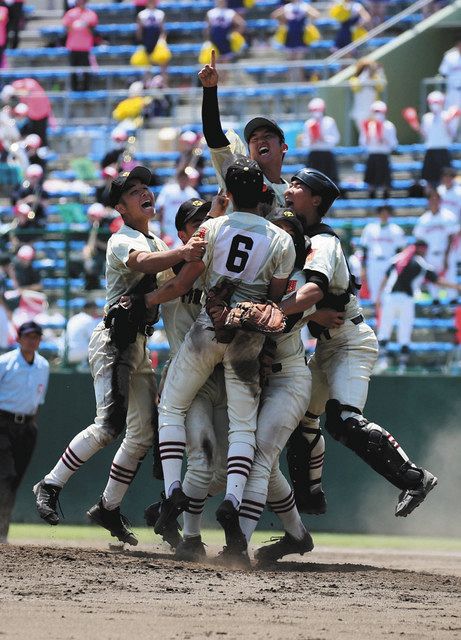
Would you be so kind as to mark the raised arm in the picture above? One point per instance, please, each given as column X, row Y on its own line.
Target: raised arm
column 211, row 121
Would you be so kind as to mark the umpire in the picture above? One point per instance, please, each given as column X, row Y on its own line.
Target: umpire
column 23, row 383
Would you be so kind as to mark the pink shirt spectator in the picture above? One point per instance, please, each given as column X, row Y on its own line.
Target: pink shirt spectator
column 33, row 95
column 3, row 25
column 79, row 23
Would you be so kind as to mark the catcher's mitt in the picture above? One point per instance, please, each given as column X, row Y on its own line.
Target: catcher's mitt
column 217, row 307
column 265, row 317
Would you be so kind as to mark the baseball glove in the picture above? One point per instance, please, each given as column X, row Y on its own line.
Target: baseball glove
column 265, row 317
column 217, row 307
column 123, row 323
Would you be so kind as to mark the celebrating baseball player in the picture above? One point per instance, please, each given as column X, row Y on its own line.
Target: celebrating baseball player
column 344, row 357
column 124, row 382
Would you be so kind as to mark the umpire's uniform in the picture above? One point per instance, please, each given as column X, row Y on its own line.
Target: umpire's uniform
column 22, row 389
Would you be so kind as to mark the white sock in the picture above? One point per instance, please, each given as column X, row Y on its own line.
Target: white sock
column 192, row 518
column 80, row 449
column 281, row 500
column 122, row 472
column 172, row 443
column 239, row 461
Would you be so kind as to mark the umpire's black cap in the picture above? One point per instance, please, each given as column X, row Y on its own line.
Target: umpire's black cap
column 120, row 184
column 29, row 327
column 258, row 123
column 189, row 209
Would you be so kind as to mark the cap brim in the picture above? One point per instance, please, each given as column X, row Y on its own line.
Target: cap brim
column 204, row 208
column 140, row 173
column 27, row 331
column 259, row 122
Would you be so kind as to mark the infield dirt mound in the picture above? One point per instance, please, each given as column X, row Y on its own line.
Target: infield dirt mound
column 69, row 593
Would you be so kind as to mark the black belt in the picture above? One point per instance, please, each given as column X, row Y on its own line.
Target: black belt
column 18, row 418
column 356, row 320
column 278, row 366
column 145, row 329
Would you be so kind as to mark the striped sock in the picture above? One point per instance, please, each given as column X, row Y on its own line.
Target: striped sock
column 239, row 461
column 122, row 472
column 80, row 449
column 172, row 444
column 250, row 512
column 192, row 518
column 288, row 514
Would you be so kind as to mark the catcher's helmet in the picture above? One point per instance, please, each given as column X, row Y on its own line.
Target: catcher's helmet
column 320, row 185
column 283, row 214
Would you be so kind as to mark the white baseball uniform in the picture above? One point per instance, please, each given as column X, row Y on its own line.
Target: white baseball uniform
column 381, row 242
column 249, row 251
column 450, row 67
column 451, row 199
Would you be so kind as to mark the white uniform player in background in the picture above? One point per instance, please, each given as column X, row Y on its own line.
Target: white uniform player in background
column 380, row 241
column 171, row 196
column 436, row 226
column 450, row 192
column 124, row 381
column 450, row 67
column 257, row 257
column 438, row 129
column 320, row 135
column 344, row 358
column 378, row 136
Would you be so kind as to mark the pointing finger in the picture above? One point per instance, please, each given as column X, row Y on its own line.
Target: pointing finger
column 213, row 59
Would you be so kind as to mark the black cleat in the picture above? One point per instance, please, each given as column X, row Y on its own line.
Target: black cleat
column 412, row 498
column 284, row 546
column 46, row 500
column 113, row 521
column 228, row 517
column 312, row 503
column 171, row 533
column 170, row 509
column 190, row 549
column 234, row 559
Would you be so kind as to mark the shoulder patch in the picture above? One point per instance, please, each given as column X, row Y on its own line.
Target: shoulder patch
column 291, row 286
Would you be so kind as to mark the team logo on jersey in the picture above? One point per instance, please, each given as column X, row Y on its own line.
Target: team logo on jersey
column 291, row 286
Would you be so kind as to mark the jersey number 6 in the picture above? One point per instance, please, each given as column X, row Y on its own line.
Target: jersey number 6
column 238, row 257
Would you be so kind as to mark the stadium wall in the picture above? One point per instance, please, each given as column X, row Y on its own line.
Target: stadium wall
column 421, row 412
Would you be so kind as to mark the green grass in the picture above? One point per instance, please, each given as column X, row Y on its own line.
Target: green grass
column 43, row 534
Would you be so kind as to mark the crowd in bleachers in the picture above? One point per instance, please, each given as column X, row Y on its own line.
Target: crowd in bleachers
column 56, row 219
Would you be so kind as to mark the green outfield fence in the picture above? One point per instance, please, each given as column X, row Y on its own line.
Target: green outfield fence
column 421, row 412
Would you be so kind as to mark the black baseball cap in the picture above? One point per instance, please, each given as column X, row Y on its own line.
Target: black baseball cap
column 283, row 214
column 189, row 209
column 120, row 184
column 29, row 327
column 244, row 178
column 257, row 123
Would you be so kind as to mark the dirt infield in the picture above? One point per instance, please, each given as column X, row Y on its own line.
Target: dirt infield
column 65, row 593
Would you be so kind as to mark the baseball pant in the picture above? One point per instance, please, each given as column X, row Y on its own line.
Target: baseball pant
column 376, row 270
column 397, row 308
column 436, row 260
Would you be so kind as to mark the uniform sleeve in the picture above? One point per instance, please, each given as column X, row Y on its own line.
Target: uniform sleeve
column 168, row 274
column 207, row 231
column 323, row 256
column 120, row 248
column 219, row 157
column 287, row 261
column 444, row 68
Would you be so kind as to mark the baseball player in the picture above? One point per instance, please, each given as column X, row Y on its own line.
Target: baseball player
column 119, row 361
column 257, row 257
column 438, row 129
column 437, row 226
column 320, row 135
column 450, row 192
column 344, row 357
column 450, row 67
column 265, row 140
column 380, row 241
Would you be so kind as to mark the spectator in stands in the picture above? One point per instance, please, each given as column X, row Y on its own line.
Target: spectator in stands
column 377, row 10
column 24, row 375
column 119, row 137
column 102, row 190
column 9, row 130
column 5, row 324
column 379, row 137
column 396, row 298
column 354, row 15
column 437, row 226
column 24, row 274
column 367, row 84
column 80, row 23
column 450, row 67
column 31, row 193
column 150, row 25
column 94, row 252
column 295, row 16
column 78, row 334
column 39, row 112
column 25, row 227
column 129, row 112
column 139, row 5
column 450, row 192
column 167, row 203
column 380, row 241
column 161, row 104
column 320, row 135
column 221, row 22
column 35, row 151
column 15, row 22
column 3, row 32
column 190, row 147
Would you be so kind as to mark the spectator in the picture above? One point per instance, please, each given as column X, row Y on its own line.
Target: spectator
column 380, row 242
column 161, row 104
column 221, row 22
column 3, row 32
column 379, row 137
column 150, row 26
column 367, row 84
column 377, row 10
column 23, row 384
column 396, row 298
column 295, row 16
column 119, row 137
column 94, row 252
column 450, row 67
column 78, row 333
column 24, row 274
column 15, row 22
column 129, row 111
column 5, row 324
column 35, row 152
column 190, row 147
column 167, row 203
column 354, row 15
column 438, row 128
column 80, row 23
column 450, row 192
column 108, row 174
column 39, row 112
column 436, row 226
column 31, row 192
column 25, row 227
column 320, row 135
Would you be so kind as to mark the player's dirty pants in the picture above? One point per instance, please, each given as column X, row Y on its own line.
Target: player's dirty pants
column 284, row 401
column 188, row 372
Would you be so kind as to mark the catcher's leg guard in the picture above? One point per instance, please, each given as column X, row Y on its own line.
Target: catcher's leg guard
column 374, row 445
